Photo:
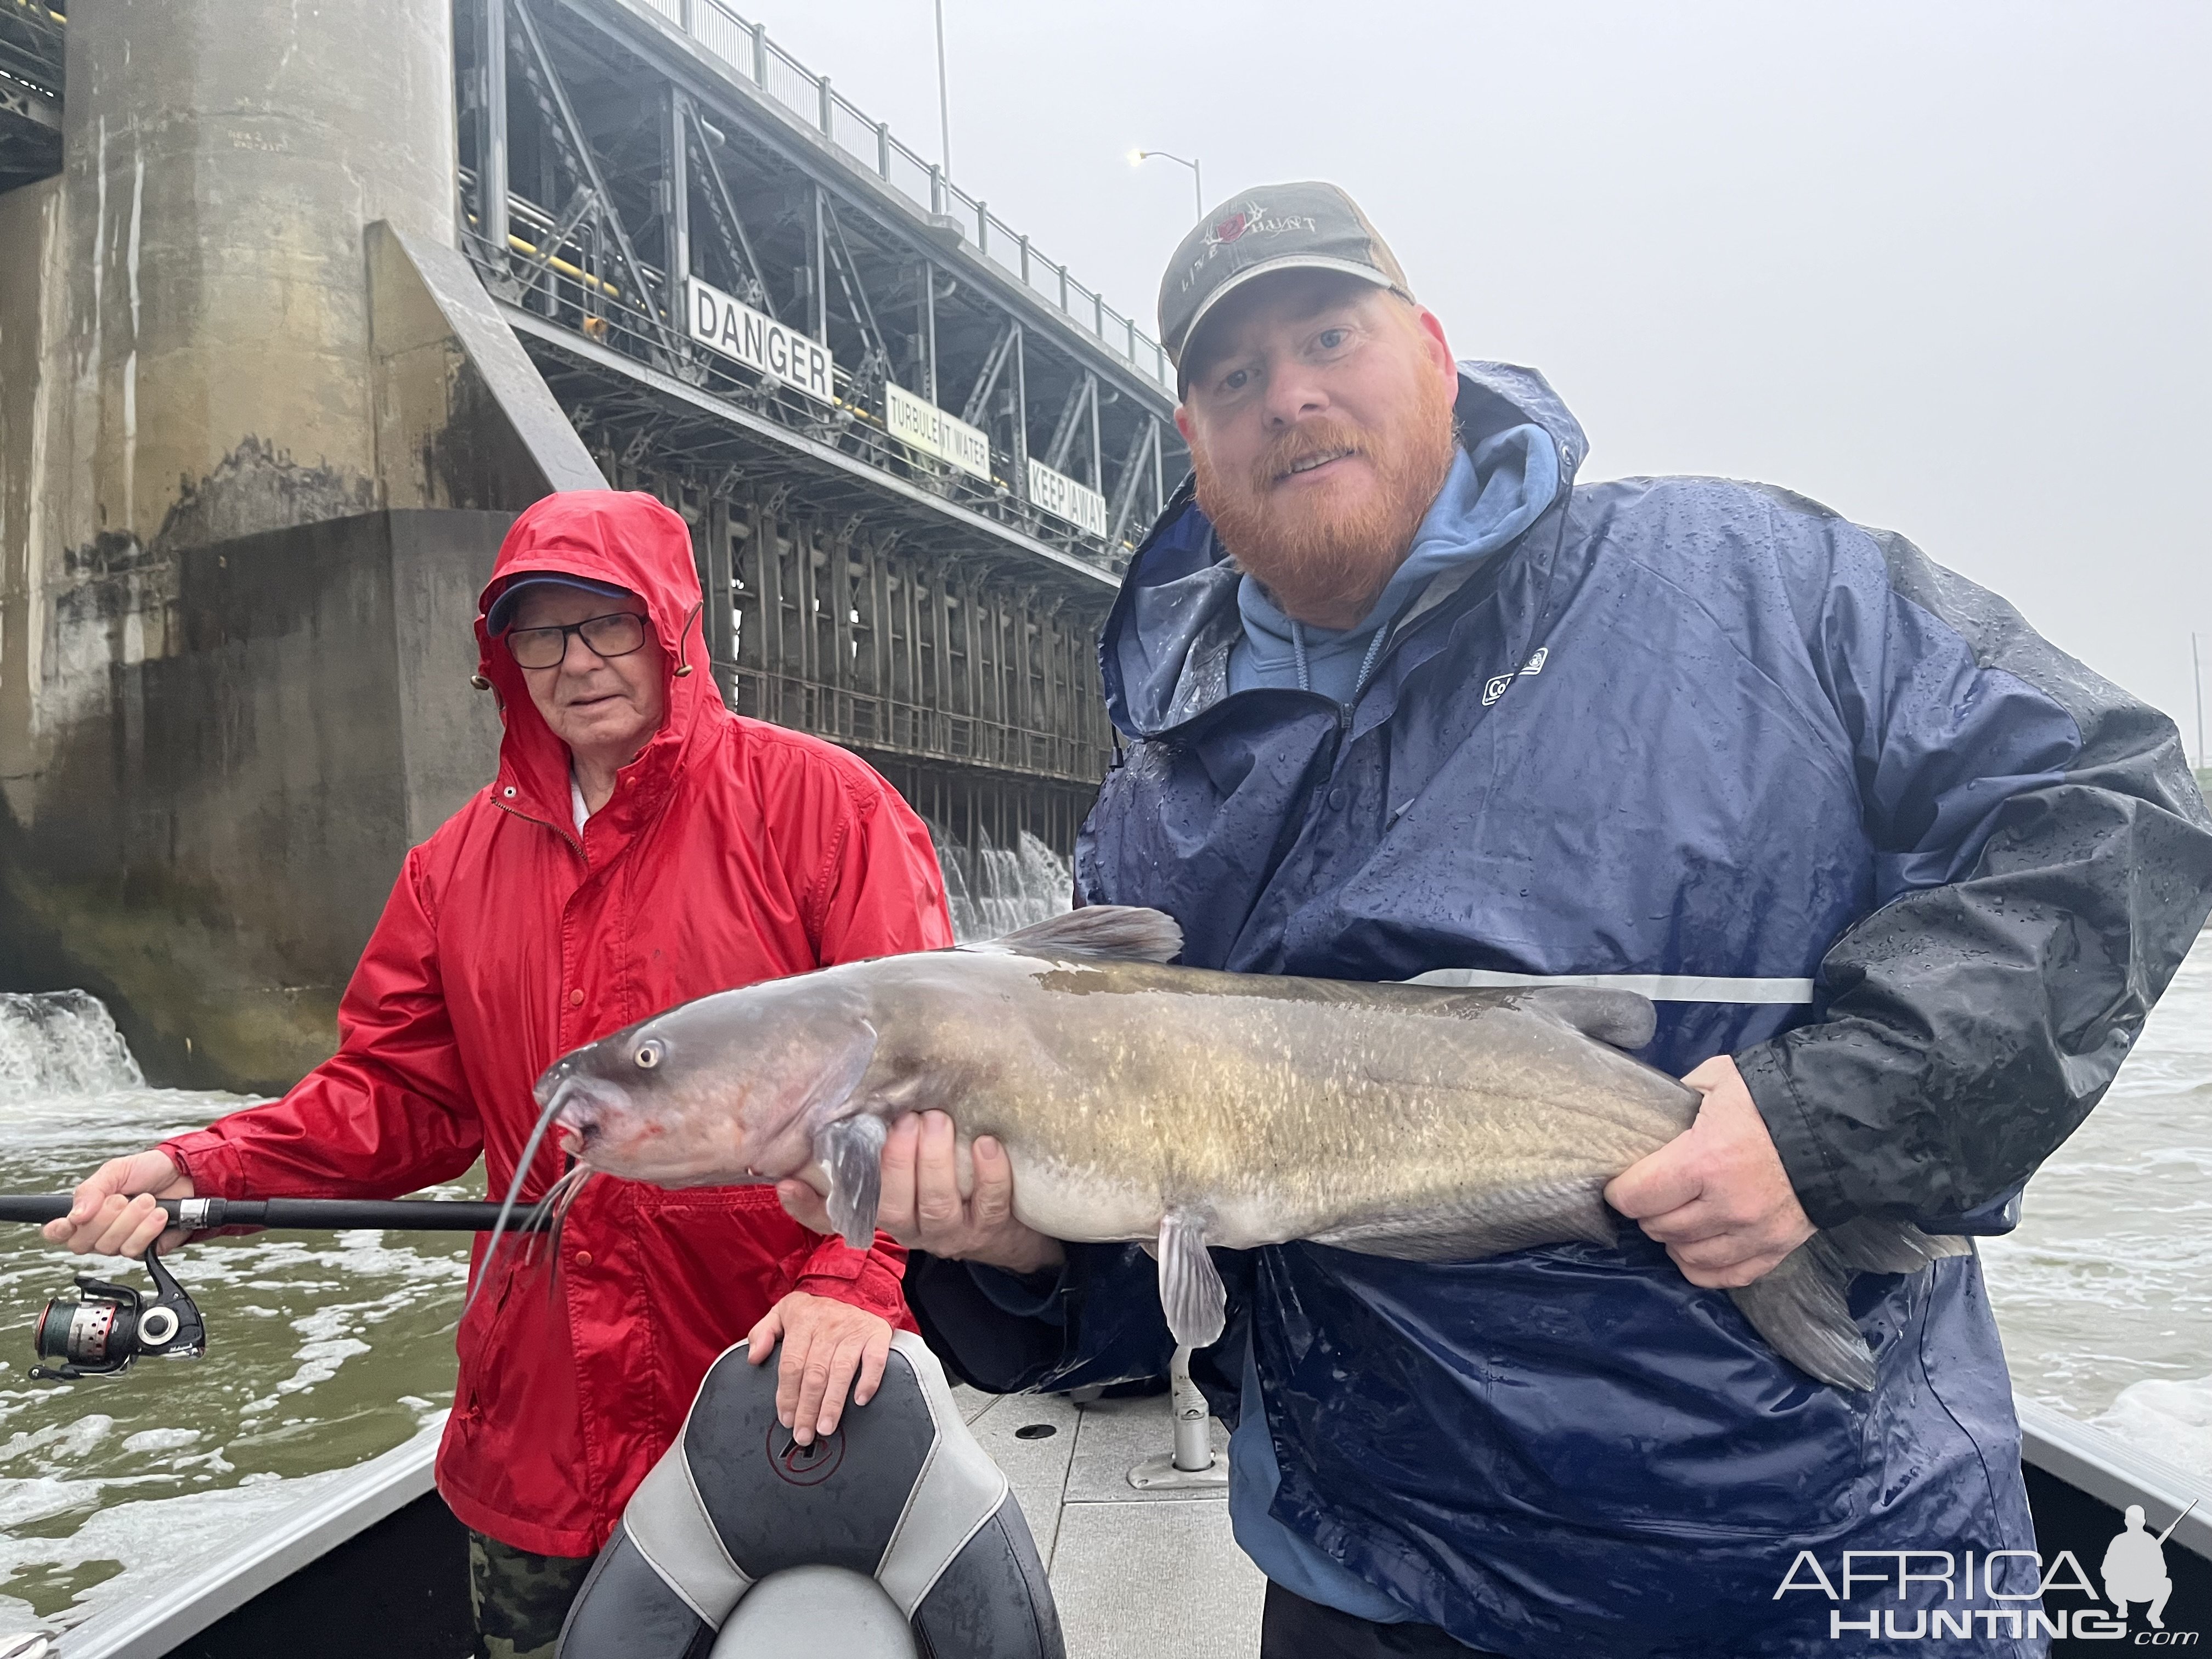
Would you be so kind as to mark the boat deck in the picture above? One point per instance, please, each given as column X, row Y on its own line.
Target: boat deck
column 372, row 1565
column 1137, row 1575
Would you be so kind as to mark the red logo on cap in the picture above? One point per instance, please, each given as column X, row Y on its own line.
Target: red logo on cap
column 1231, row 227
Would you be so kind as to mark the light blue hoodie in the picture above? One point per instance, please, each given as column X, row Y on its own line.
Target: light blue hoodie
column 1489, row 497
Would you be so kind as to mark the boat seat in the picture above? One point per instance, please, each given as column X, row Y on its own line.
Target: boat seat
column 895, row 1536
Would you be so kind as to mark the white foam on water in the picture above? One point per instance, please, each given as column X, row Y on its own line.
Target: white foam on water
column 992, row 889
column 2169, row 1419
column 152, row 1538
column 57, row 1440
column 61, row 1042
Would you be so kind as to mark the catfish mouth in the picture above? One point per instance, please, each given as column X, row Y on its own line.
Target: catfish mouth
column 584, row 1110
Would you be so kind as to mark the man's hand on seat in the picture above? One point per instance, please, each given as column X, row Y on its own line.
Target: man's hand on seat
column 1716, row 1195
column 922, row 1206
column 826, row 1344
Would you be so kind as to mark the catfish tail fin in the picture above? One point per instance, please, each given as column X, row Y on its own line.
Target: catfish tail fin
column 1802, row 1306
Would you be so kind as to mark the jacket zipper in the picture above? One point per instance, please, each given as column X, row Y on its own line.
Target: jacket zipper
column 568, row 835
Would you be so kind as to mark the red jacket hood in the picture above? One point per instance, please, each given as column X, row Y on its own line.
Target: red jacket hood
column 633, row 541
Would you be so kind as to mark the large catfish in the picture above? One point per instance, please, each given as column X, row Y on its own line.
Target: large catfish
column 1184, row 1108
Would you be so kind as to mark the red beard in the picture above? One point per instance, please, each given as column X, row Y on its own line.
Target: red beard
column 1330, row 556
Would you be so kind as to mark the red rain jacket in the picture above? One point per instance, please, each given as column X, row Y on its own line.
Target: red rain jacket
column 731, row 852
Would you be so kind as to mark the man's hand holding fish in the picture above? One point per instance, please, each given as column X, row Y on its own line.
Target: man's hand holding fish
column 923, row 1204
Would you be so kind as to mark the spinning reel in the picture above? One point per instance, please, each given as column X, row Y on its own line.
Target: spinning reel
column 106, row 1327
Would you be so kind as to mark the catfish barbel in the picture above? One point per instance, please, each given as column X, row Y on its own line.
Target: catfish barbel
column 1184, row 1108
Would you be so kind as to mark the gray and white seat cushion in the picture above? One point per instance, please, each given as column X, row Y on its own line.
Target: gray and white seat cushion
column 900, row 1495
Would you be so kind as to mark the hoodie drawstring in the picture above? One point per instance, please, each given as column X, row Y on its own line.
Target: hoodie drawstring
column 1366, row 663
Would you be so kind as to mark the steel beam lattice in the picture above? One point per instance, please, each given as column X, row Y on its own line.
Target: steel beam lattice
column 917, row 512
column 31, row 85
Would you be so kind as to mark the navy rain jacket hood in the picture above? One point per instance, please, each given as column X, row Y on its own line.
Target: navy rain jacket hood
column 1854, row 822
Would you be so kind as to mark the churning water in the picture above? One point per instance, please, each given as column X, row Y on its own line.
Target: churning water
column 992, row 889
column 325, row 1351
column 2104, row 1293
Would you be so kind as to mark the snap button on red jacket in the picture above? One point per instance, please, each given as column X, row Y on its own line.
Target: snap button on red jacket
column 732, row 851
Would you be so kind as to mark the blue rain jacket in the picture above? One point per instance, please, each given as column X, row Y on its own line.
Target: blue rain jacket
column 1681, row 727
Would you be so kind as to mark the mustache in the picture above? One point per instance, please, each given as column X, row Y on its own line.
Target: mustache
column 1310, row 440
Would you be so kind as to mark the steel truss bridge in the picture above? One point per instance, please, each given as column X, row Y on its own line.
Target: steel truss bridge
column 30, row 90
column 915, row 450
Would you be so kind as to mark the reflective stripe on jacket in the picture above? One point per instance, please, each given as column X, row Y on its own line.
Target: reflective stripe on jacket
column 732, row 851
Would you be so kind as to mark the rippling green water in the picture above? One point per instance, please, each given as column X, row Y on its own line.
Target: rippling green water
column 327, row 1350
column 2104, row 1293
column 323, row 1350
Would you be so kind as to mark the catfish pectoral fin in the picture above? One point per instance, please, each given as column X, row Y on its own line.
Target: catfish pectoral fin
column 1191, row 1294
column 1621, row 1017
column 851, row 1150
column 1802, row 1308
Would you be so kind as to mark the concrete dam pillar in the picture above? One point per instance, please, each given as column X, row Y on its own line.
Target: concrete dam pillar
column 260, row 430
column 222, row 157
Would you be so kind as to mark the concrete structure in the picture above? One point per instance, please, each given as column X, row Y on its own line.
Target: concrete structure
column 320, row 296
column 241, row 368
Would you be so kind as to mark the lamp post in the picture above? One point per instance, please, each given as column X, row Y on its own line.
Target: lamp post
column 1138, row 157
column 2196, row 663
column 944, row 100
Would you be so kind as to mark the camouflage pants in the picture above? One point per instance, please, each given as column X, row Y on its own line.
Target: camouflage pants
column 520, row 1599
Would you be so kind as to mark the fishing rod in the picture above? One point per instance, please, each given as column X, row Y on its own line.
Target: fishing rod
column 106, row 1327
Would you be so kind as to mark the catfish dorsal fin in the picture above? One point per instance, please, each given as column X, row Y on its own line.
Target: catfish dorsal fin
column 1097, row 930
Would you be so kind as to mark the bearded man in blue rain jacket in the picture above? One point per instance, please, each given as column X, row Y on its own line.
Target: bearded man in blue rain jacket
column 1399, row 696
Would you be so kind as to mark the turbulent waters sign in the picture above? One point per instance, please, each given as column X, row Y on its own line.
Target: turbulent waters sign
column 1061, row 496
column 921, row 424
column 759, row 342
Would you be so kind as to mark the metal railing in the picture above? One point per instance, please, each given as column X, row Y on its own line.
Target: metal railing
column 869, row 147
column 576, row 284
column 31, row 47
column 868, row 720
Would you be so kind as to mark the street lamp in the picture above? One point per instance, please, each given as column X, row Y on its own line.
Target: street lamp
column 2196, row 666
column 1138, row 157
column 944, row 100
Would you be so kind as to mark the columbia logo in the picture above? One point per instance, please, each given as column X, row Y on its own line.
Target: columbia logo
column 1494, row 688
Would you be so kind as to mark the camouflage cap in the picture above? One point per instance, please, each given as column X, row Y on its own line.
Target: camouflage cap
column 1310, row 226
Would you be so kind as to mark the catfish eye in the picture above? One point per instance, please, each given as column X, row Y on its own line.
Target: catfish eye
column 648, row 1054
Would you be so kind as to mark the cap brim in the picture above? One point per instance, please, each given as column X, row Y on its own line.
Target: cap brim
column 510, row 596
column 1268, row 268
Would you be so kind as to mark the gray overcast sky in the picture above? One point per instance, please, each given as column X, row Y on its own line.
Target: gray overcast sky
column 1944, row 266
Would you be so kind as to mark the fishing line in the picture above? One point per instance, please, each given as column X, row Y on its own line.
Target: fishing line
column 559, row 1198
column 515, row 1190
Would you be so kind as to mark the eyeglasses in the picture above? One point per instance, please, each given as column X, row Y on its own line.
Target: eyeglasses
column 615, row 634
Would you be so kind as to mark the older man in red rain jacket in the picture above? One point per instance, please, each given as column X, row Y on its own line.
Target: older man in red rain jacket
column 641, row 845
